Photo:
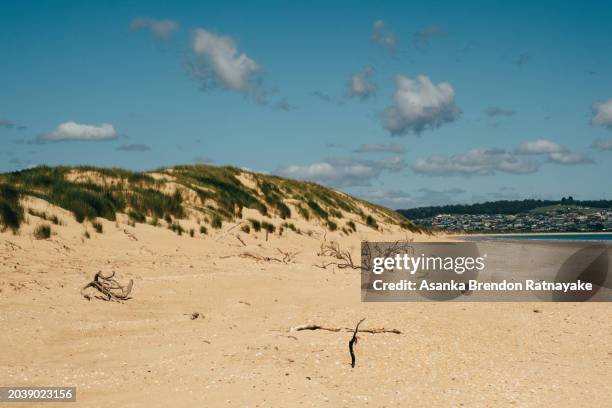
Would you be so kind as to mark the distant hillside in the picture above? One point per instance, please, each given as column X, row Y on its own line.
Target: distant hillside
column 499, row 207
column 211, row 195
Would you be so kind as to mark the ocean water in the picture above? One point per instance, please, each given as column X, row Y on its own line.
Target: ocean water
column 547, row 237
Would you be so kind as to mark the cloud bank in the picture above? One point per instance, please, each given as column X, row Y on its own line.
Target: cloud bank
column 418, row 104
column 475, row 162
column 71, row 131
column 219, row 63
column 539, row 146
column 343, row 172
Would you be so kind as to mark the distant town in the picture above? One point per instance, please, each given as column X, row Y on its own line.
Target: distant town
column 524, row 216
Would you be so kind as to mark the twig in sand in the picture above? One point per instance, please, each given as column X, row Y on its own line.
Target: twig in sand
column 230, row 229
column 346, row 329
column 353, row 342
column 288, row 256
column 240, row 239
column 109, row 287
column 130, row 235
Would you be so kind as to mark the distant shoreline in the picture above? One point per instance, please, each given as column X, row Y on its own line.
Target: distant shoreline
column 503, row 234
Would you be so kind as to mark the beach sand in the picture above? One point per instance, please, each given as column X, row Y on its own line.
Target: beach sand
column 148, row 352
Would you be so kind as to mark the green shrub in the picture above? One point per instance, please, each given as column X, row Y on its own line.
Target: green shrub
column 334, row 213
column 245, row 228
column 317, row 210
column 136, row 216
column 191, row 232
column 98, row 227
column 332, row 225
column 371, row 222
column 272, row 196
column 176, row 227
column 256, row 225
column 43, row 231
column 86, row 234
column 290, row 226
column 11, row 211
column 55, row 220
column 203, row 230
column 304, row 213
column 268, row 227
column 351, row 225
column 216, row 222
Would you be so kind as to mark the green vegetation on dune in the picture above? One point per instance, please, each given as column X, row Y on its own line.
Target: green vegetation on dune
column 11, row 212
column 219, row 193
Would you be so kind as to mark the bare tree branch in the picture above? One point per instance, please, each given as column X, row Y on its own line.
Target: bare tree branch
column 109, row 287
column 353, row 342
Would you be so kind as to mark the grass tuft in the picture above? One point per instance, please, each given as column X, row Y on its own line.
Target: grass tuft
column 42, row 231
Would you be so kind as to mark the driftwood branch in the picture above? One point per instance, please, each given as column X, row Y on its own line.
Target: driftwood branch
column 345, row 329
column 353, row 343
column 343, row 258
column 287, row 257
column 108, row 287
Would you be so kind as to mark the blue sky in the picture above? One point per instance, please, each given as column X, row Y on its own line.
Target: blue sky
column 405, row 104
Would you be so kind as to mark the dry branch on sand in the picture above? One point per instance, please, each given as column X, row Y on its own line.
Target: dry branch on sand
column 344, row 259
column 355, row 331
column 287, row 257
column 338, row 329
column 109, row 287
column 353, row 343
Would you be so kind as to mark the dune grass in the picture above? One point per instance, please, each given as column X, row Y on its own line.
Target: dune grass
column 42, row 231
column 215, row 192
column 11, row 212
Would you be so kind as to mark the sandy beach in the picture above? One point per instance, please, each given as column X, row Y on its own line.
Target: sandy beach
column 241, row 351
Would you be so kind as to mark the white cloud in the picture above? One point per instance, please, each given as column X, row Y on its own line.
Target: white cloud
column 419, row 104
column 161, row 29
column 380, row 148
column 68, row 131
column 361, row 85
column 220, row 63
column 569, row 158
column 602, row 144
column 556, row 153
column 343, row 172
column 602, row 114
column 383, row 37
column 475, row 162
column 539, row 146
